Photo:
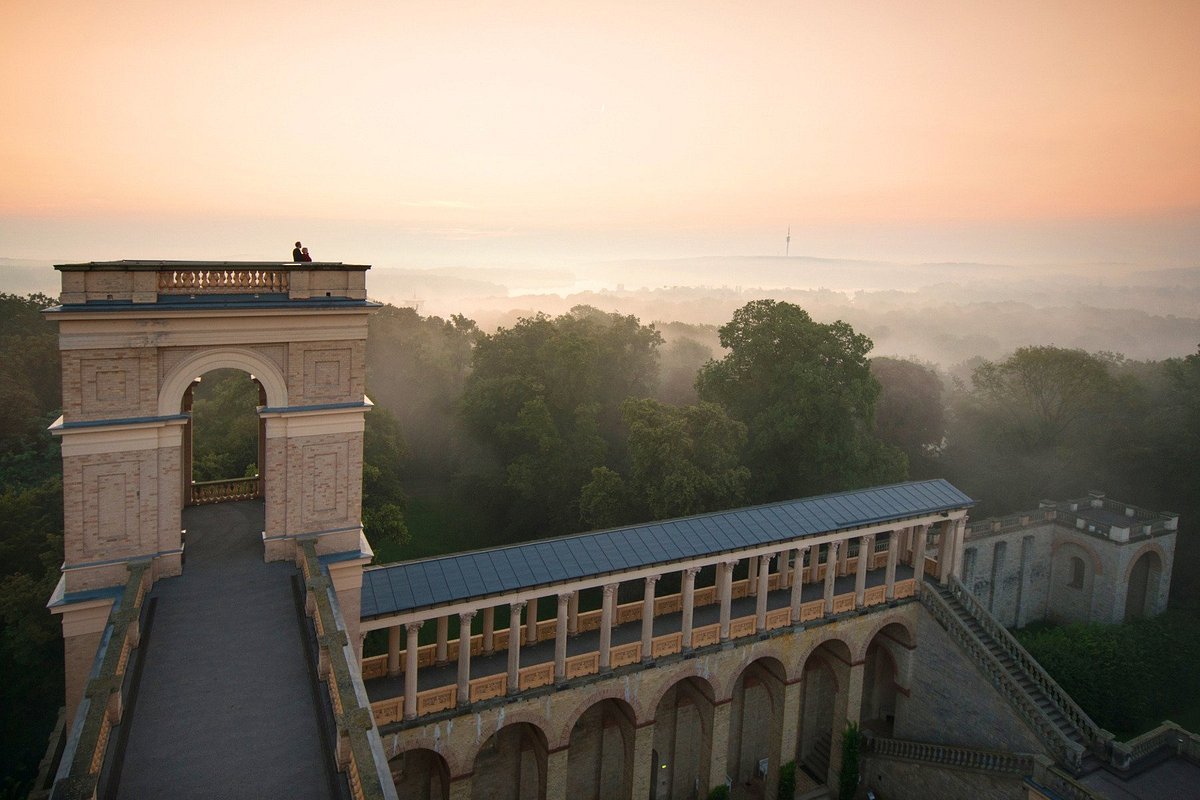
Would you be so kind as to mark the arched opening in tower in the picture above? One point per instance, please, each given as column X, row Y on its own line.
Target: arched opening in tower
column 224, row 439
column 683, row 725
column 601, row 752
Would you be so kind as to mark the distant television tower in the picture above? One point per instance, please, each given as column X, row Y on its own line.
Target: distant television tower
column 787, row 248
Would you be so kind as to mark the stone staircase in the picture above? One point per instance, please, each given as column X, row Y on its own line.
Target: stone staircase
column 1068, row 733
column 817, row 760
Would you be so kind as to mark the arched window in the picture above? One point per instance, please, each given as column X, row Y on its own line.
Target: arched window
column 1076, row 573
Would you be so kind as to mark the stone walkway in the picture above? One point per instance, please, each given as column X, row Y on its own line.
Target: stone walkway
column 226, row 706
column 589, row 641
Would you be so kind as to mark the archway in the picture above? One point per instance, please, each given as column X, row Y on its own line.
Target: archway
column 421, row 774
column 514, row 759
column 755, row 724
column 1074, row 569
column 826, row 673
column 224, row 439
column 683, row 724
column 600, row 756
column 1141, row 593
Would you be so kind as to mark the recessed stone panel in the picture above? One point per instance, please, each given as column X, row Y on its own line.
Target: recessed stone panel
column 110, row 509
column 327, row 374
column 109, row 386
column 326, row 483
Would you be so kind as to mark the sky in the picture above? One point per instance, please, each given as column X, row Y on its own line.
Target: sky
column 476, row 133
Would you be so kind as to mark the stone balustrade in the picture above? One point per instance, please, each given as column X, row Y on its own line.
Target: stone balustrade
column 359, row 750
column 949, row 756
column 1098, row 738
column 1065, row 749
column 145, row 282
column 224, row 490
column 103, row 705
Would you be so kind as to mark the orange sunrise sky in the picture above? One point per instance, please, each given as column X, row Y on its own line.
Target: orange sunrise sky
column 404, row 132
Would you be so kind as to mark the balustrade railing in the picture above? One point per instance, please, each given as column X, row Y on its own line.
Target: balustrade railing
column 103, row 701
column 1097, row 738
column 224, row 490
column 359, row 750
column 1166, row 737
column 1066, row 749
column 950, row 756
column 222, row 281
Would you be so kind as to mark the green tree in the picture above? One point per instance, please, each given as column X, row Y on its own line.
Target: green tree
column 224, row 426
column 383, row 498
column 911, row 411
column 544, row 398
column 682, row 460
column 805, row 393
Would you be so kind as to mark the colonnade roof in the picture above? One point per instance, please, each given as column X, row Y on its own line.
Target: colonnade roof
column 410, row 585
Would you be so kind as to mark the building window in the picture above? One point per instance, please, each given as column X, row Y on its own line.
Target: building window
column 1076, row 573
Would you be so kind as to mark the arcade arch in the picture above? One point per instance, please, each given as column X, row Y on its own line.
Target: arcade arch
column 600, row 754
column 515, row 759
column 887, row 668
column 825, row 676
column 683, row 729
column 421, row 774
column 756, row 722
column 1141, row 593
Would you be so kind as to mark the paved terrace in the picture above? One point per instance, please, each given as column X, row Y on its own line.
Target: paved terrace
column 226, row 706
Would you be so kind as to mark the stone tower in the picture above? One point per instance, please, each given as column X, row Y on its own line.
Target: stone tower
column 134, row 338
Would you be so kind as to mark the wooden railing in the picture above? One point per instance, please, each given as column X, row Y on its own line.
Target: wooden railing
column 222, row 281
column 1067, row 750
column 103, row 697
column 359, row 750
column 224, row 490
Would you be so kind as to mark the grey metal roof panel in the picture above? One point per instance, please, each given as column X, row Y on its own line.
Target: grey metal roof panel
column 406, row 586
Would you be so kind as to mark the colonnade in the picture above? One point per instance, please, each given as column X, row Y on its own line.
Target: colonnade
column 797, row 564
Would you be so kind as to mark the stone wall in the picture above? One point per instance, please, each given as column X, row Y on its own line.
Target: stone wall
column 951, row 702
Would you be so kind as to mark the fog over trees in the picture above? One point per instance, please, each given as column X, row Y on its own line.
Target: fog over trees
column 516, row 417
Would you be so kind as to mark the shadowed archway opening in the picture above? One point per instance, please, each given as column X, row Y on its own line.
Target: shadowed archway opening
column 1141, row 594
column 600, row 759
column 825, row 676
column 755, row 725
column 683, row 724
column 421, row 774
column 224, row 440
column 514, row 758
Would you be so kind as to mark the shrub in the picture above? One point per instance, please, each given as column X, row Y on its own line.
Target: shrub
column 719, row 793
column 848, row 779
column 787, row 781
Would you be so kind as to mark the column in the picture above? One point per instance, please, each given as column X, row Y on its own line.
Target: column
column 560, row 638
column 945, row 552
column 464, row 657
column 752, row 576
column 514, row 645
column 460, row 788
column 843, row 559
column 606, row 618
column 531, row 622
column 718, row 757
column 956, row 560
column 760, row 607
column 919, row 554
column 797, row 583
column 556, row 774
column 866, row 548
column 443, row 635
column 893, row 557
column 393, row 662
column 489, row 630
column 784, row 569
column 410, row 670
column 788, row 740
column 573, row 614
column 689, row 603
column 643, row 756
column 724, row 593
column 831, row 555
column 648, row 616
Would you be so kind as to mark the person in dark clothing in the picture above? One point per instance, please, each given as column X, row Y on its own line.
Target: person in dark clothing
column 304, row 256
column 297, row 253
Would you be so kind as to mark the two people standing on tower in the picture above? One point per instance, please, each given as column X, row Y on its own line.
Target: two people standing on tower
column 300, row 253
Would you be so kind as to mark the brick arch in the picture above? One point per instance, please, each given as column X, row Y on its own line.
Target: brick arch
column 820, row 661
column 451, row 758
column 617, row 693
column 691, row 670
column 180, row 376
column 779, row 673
column 507, row 720
column 894, row 618
column 825, row 635
column 1097, row 564
column 1148, row 547
column 439, row 754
